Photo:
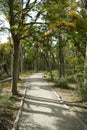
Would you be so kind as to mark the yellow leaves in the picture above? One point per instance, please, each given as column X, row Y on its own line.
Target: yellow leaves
column 74, row 6
column 62, row 23
column 71, row 25
column 74, row 15
column 47, row 32
column 79, row 21
column 71, row 60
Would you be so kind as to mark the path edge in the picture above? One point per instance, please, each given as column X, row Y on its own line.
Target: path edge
column 15, row 124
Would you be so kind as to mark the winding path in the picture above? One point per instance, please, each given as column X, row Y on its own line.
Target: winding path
column 43, row 111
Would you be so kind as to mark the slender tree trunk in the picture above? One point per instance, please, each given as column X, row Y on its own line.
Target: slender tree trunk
column 21, row 59
column 49, row 65
column 15, row 65
column 85, row 64
column 54, row 62
column 61, row 60
column 36, row 64
column 36, row 58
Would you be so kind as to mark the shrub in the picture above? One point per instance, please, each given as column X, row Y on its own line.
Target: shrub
column 0, row 88
column 82, row 85
column 63, row 83
column 82, row 90
column 71, row 79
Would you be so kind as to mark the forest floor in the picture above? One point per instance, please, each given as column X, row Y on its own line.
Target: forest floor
column 9, row 105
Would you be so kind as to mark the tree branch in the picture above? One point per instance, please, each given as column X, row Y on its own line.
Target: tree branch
column 32, row 23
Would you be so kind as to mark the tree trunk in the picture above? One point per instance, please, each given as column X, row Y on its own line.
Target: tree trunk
column 36, row 58
column 21, row 59
column 49, row 65
column 15, row 74
column 85, row 64
column 61, row 60
column 54, row 61
column 36, row 63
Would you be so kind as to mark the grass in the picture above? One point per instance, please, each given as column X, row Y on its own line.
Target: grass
column 28, row 73
column 9, row 106
column 65, row 87
column 6, row 84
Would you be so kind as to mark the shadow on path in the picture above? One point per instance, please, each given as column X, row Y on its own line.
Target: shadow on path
column 42, row 111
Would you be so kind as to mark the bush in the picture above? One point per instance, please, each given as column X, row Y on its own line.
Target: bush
column 0, row 88
column 82, row 90
column 63, row 83
column 71, row 79
column 82, row 85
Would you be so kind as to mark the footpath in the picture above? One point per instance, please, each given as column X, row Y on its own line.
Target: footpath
column 43, row 109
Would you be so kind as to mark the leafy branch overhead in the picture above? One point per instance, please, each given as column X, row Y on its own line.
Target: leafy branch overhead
column 73, row 18
column 22, row 15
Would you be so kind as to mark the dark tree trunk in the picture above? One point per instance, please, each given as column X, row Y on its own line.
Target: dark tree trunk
column 36, row 58
column 6, row 70
column 36, row 63
column 61, row 60
column 15, row 70
column 16, row 43
column 85, row 62
column 21, row 59
column 54, row 61
column 49, row 65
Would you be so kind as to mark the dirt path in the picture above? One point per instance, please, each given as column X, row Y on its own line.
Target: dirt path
column 43, row 111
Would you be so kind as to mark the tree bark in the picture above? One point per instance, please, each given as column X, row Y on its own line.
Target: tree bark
column 49, row 65
column 16, row 43
column 15, row 73
column 36, row 58
column 85, row 63
column 61, row 59
column 21, row 59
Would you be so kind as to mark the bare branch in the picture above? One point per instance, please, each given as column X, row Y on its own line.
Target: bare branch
column 26, row 24
column 27, row 4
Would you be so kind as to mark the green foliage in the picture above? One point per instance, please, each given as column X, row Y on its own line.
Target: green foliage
column 62, row 83
column 0, row 88
column 5, row 58
column 9, row 112
column 82, row 89
column 82, row 84
column 71, row 78
column 58, row 9
column 4, row 100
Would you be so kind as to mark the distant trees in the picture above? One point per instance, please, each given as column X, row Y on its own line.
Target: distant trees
column 5, row 59
column 68, row 21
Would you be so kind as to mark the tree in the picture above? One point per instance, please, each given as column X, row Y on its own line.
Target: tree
column 19, row 15
column 57, row 20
